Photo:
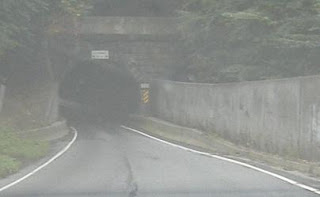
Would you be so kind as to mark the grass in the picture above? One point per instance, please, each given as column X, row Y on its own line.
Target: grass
column 15, row 151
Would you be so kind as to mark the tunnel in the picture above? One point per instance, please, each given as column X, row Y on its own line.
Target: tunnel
column 95, row 93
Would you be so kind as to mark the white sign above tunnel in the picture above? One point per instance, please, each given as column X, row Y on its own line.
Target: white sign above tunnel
column 144, row 85
column 100, row 55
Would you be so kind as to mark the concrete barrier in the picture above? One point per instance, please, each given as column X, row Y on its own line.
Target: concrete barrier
column 55, row 131
column 276, row 116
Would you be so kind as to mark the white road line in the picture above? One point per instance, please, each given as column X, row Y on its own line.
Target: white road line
column 45, row 164
column 290, row 181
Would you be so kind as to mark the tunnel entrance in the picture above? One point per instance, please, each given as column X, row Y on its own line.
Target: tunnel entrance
column 91, row 92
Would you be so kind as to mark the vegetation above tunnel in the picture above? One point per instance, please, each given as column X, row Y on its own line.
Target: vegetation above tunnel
column 222, row 40
column 235, row 40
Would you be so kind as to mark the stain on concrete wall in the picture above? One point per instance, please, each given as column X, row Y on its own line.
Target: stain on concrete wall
column 2, row 92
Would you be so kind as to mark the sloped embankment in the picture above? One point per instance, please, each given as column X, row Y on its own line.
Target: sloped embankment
column 15, row 152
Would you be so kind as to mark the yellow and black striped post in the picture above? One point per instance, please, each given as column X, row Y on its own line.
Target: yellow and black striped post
column 145, row 97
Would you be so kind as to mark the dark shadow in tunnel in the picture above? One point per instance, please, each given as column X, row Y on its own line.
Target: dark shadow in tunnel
column 96, row 94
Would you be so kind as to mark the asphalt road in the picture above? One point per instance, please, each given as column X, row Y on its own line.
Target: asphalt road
column 109, row 161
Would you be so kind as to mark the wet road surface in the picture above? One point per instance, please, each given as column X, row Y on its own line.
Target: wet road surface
column 110, row 161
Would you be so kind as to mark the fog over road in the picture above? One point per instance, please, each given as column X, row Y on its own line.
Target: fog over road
column 110, row 161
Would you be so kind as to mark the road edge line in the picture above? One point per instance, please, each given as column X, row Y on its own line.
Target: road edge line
column 56, row 156
column 280, row 177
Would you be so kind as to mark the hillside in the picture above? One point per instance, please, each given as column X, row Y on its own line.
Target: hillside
column 237, row 40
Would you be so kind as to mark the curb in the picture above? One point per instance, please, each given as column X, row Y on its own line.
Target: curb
column 52, row 132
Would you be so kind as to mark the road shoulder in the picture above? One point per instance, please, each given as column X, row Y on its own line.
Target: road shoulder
column 298, row 170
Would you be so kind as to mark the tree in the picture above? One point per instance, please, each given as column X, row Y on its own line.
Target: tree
column 235, row 40
column 26, row 26
column 16, row 27
column 22, row 22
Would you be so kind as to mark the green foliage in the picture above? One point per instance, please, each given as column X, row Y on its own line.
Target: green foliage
column 25, row 23
column 8, row 165
column 62, row 15
column 25, row 149
column 14, row 151
column 15, row 22
column 75, row 7
column 234, row 40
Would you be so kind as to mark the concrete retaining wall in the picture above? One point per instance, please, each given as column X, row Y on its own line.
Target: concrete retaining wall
column 53, row 132
column 275, row 116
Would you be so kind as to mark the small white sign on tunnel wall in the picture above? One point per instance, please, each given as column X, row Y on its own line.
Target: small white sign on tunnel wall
column 100, row 54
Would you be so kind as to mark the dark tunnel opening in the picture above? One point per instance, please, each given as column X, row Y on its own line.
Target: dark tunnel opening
column 93, row 93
